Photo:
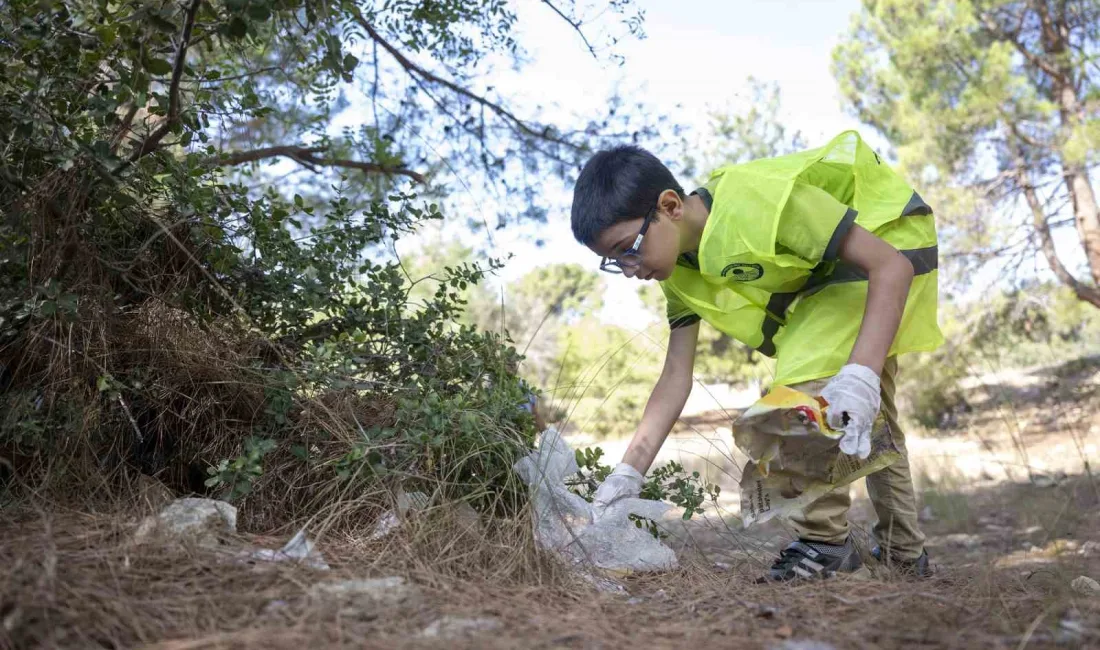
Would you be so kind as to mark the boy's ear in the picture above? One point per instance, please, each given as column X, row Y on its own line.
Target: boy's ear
column 670, row 204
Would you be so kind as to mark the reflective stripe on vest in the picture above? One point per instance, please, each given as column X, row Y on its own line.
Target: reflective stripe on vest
column 924, row 260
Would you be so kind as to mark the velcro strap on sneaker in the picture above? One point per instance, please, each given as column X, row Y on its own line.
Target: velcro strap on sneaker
column 804, row 549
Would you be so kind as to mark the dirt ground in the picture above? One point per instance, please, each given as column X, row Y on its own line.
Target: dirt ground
column 1008, row 504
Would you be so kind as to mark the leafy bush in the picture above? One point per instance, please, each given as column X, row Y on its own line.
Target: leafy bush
column 156, row 312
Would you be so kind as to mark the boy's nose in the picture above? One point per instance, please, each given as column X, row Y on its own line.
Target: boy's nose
column 630, row 271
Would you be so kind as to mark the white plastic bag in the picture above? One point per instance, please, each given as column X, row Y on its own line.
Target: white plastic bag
column 563, row 520
column 299, row 549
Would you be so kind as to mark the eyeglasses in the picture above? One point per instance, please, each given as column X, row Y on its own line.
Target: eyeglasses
column 631, row 257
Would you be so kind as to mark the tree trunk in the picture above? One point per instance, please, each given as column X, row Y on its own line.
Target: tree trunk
column 1086, row 213
column 1083, row 291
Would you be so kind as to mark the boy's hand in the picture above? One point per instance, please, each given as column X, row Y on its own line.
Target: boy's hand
column 854, row 399
column 624, row 482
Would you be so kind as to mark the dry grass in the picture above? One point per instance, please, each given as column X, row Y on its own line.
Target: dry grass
column 200, row 397
column 74, row 579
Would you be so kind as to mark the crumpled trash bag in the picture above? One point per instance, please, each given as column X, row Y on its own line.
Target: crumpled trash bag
column 794, row 457
column 563, row 521
column 298, row 549
column 385, row 525
column 781, row 414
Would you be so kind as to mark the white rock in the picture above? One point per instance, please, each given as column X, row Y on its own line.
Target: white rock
column 1044, row 480
column 963, row 539
column 602, row 583
column 276, row 607
column 366, row 595
column 803, row 644
column 1069, row 631
column 1085, row 586
column 203, row 520
column 451, row 626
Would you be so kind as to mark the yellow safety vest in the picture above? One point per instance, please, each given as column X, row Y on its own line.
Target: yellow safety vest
column 766, row 271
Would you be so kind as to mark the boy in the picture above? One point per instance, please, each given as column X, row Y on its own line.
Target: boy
column 824, row 259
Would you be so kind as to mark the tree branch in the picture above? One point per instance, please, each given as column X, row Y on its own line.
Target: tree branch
column 124, row 126
column 308, row 157
column 244, row 75
column 1014, row 39
column 575, row 24
column 150, row 143
column 254, row 155
column 417, row 71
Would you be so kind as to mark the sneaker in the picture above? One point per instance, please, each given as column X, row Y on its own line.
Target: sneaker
column 918, row 568
column 805, row 560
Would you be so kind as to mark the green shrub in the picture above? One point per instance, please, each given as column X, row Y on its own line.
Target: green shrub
column 156, row 312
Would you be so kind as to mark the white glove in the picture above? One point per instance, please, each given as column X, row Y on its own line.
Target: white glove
column 854, row 400
column 622, row 483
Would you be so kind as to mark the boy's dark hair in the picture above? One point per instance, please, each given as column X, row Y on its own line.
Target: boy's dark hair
column 615, row 185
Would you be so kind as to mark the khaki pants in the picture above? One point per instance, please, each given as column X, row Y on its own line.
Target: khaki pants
column 891, row 491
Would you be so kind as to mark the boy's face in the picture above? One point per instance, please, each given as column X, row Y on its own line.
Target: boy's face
column 656, row 258
column 657, row 255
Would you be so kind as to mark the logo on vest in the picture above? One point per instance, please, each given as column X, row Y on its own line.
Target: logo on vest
column 743, row 272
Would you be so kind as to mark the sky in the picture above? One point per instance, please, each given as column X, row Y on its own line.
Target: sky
column 696, row 57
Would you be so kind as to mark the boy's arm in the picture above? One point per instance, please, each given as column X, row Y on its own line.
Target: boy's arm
column 664, row 406
column 817, row 228
column 854, row 393
column 889, row 275
column 667, row 399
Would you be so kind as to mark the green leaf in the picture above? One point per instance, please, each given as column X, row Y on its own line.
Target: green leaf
column 158, row 66
column 162, row 24
column 350, row 61
column 260, row 12
column 107, row 34
column 237, row 28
